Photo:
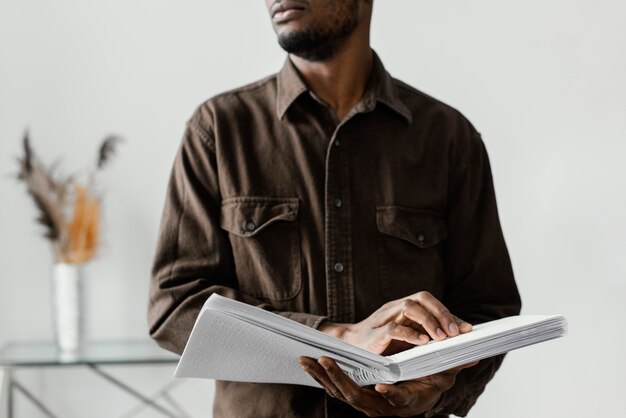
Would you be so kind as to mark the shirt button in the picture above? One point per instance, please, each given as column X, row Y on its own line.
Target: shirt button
column 249, row 226
column 420, row 237
column 336, row 142
column 338, row 267
column 338, row 203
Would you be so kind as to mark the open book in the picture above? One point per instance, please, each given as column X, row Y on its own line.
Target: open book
column 235, row 341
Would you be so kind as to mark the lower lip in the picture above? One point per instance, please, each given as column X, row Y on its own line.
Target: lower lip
column 286, row 15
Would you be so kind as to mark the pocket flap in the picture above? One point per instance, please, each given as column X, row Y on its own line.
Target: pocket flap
column 419, row 227
column 247, row 216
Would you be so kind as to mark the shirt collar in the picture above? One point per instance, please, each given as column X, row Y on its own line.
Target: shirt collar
column 380, row 88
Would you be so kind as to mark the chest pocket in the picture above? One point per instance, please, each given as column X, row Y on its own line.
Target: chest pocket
column 409, row 250
column 265, row 240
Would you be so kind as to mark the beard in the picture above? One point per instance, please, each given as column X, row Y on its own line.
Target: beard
column 320, row 43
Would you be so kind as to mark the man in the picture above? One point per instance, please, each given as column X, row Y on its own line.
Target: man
column 343, row 199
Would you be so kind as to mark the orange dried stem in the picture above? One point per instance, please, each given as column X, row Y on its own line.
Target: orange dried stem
column 83, row 230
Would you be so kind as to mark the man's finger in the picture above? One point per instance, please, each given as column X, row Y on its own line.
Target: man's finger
column 394, row 331
column 353, row 394
column 464, row 326
column 438, row 328
column 319, row 374
column 449, row 323
column 395, row 395
column 445, row 380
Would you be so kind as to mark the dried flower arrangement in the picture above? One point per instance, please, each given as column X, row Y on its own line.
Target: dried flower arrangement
column 69, row 211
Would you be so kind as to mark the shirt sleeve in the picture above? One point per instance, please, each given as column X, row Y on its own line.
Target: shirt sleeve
column 193, row 256
column 481, row 286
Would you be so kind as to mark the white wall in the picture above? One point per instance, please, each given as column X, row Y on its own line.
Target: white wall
column 544, row 81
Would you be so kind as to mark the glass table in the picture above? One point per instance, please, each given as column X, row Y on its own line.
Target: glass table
column 93, row 355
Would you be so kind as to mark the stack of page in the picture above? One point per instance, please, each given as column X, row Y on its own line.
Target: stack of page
column 235, row 341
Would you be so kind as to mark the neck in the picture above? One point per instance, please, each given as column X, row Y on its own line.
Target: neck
column 341, row 80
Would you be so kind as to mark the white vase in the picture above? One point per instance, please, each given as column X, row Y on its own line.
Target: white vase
column 67, row 307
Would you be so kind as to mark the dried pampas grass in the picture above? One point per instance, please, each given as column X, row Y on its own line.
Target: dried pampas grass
column 69, row 211
column 84, row 227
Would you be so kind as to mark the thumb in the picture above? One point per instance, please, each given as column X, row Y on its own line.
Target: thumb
column 445, row 380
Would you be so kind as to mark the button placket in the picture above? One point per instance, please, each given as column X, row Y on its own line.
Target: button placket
column 339, row 280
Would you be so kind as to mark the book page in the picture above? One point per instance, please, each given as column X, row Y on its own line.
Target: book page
column 480, row 332
column 295, row 330
column 486, row 340
column 238, row 342
column 235, row 350
column 224, row 347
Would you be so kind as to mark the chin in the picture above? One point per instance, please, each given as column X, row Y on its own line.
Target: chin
column 289, row 31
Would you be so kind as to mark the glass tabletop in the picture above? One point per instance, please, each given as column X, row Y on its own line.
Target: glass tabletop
column 94, row 352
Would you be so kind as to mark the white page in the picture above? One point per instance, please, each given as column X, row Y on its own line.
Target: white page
column 293, row 329
column 235, row 350
column 480, row 331
column 226, row 348
column 235, row 341
column 486, row 340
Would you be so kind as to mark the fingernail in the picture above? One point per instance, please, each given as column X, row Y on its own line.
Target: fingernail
column 440, row 333
column 324, row 365
column 466, row 324
column 453, row 328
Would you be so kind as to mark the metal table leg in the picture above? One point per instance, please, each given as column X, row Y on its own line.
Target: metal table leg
column 8, row 380
column 10, row 386
column 31, row 398
column 164, row 394
column 147, row 401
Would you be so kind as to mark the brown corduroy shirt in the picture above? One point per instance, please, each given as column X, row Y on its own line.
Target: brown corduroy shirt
column 275, row 202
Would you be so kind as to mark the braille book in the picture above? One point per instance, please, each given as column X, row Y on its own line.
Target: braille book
column 235, row 341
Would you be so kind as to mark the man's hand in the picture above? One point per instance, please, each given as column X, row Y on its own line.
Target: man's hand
column 400, row 324
column 404, row 399
column 396, row 326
